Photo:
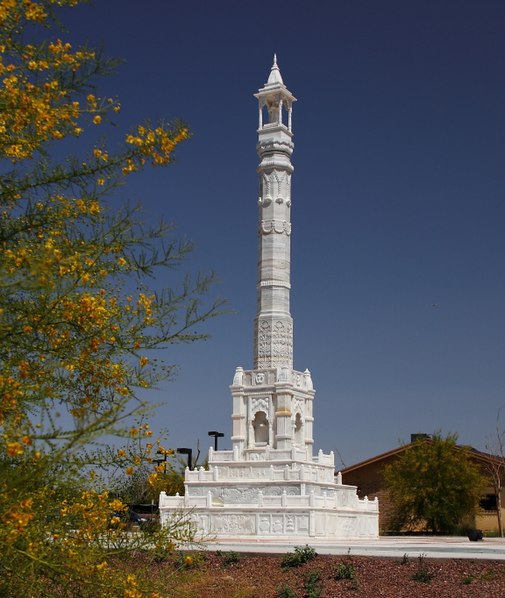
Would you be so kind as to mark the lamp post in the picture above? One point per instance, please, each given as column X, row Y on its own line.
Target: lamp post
column 216, row 436
column 189, row 453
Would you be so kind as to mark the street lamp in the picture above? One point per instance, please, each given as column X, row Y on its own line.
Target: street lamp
column 189, row 453
column 216, row 436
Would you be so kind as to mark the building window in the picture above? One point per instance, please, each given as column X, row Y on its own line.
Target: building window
column 488, row 502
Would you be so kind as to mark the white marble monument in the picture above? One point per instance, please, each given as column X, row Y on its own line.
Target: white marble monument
column 271, row 485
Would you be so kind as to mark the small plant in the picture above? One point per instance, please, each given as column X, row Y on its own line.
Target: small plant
column 468, row 579
column 312, row 584
column 230, row 558
column 163, row 550
column 300, row 556
column 422, row 574
column 405, row 560
column 285, row 591
column 189, row 561
column 345, row 571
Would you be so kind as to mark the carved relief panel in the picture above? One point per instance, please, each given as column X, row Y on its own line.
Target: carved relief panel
column 275, row 347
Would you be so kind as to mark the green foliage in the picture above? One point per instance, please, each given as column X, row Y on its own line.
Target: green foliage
column 141, row 487
column 79, row 317
column 422, row 573
column 434, row 484
column 229, row 558
column 345, row 571
column 312, row 584
column 300, row 556
column 191, row 560
column 285, row 591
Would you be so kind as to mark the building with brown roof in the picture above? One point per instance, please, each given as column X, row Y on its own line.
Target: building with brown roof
column 368, row 476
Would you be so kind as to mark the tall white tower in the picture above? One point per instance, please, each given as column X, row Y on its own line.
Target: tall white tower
column 271, row 485
column 273, row 403
column 273, row 326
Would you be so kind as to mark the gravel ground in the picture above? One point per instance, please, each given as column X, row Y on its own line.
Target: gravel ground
column 262, row 576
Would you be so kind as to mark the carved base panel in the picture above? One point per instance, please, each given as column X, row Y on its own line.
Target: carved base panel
column 264, row 524
column 290, row 503
column 226, row 523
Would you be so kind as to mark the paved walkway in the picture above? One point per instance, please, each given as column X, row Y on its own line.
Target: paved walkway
column 397, row 546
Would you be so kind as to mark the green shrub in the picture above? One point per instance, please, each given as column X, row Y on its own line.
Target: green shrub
column 285, row 591
column 230, row 558
column 300, row 556
column 312, row 584
column 345, row 571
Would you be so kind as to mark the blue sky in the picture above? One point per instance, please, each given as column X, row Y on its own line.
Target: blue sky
column 398, row 245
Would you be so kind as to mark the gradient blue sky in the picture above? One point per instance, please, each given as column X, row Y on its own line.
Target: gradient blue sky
column 398, row 212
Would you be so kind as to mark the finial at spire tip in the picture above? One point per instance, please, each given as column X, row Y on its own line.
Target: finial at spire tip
column 275, row 74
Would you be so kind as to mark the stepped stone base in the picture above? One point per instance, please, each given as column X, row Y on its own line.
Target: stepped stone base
column 271, row 494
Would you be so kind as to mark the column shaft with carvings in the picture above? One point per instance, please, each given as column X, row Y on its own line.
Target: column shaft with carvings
column 273, row 325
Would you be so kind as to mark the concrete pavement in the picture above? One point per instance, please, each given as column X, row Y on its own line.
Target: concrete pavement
column 450, row 547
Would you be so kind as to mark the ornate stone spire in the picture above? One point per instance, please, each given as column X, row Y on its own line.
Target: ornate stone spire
column 273, row 326
column 275, row 74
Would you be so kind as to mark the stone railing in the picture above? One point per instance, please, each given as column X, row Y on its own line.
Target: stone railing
column 260, row 472
column 342, row 500
column 271, row 454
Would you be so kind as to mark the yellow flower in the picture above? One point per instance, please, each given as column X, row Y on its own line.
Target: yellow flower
column 14, row 449
column 97, row 119
column 117, row 505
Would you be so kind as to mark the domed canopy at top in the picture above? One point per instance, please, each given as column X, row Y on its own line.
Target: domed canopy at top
column 275, row 76
column 275, row 85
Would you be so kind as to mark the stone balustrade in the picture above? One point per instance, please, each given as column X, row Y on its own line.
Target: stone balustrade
column 261, row 472
column 340, row 501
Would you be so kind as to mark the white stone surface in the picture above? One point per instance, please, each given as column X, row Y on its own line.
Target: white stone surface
column 270, row 484
column 394, row 547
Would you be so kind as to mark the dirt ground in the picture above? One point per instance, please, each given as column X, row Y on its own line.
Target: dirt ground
column 232, row 575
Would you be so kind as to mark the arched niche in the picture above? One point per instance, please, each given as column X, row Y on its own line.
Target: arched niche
column 260, row 426
column 298, row 429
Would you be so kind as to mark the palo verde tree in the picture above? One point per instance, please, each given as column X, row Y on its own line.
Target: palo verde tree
column 77, row 315
column 434, row 485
